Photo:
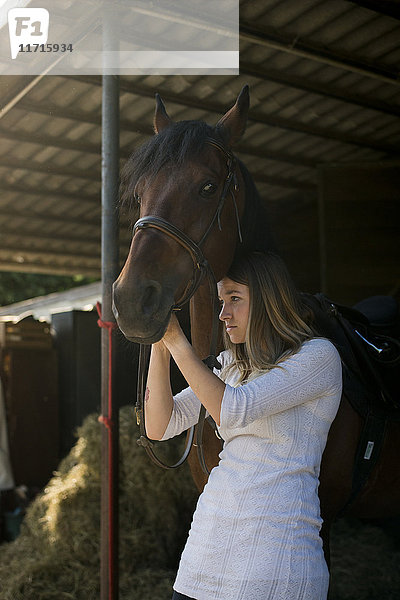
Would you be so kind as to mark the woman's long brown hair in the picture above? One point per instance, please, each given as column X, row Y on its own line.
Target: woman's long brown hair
column 278, row 320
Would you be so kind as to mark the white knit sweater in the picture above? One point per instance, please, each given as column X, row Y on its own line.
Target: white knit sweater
column 255, row 531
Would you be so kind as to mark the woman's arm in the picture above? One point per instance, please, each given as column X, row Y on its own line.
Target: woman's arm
column 158, row 402
column 313, row 373
column 208, row 388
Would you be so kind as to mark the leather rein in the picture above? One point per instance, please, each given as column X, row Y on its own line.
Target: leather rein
column 201, row 269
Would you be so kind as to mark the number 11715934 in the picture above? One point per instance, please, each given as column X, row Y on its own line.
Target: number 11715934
column 46, row 48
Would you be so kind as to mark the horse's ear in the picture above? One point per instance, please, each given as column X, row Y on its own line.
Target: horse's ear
column 161, row 119
column 233, row 124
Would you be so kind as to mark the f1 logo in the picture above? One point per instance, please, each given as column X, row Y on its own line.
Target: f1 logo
column 27, row 26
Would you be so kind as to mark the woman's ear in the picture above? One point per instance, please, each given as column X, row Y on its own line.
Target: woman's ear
column 233, row 124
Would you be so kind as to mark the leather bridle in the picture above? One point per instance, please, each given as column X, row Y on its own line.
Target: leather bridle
column 201, row 268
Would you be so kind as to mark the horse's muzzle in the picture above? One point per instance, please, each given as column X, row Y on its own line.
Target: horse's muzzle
column 142, row 312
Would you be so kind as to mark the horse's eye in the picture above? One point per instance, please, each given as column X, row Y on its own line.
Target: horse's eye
column 137, row 199
column 208, row 189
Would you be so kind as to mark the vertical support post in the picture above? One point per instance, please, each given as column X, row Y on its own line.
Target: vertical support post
column 109, row 272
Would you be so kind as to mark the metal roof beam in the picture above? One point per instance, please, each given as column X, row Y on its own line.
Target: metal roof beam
column 326, row 132
column 285, row 182
column 27, row 250
column 56, row 195
column 32, row 167
column 49, row 141
column 128, row 126
column 297, row 82
column 12, row 213
column 62, row 112
column 94, row 149
column 322, row 89
column 383, row 7
column 16, row 96
column 264, row 153
column 269, row 37
column 56, row 142
column 272, row 120
column 51, row 169
column 48, row 237
column 35, row 267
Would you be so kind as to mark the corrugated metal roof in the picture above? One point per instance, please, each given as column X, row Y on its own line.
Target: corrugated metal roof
column 42, row 308
column 324, row 83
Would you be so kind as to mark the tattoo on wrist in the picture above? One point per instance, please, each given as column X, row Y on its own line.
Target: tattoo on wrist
column 147, row 394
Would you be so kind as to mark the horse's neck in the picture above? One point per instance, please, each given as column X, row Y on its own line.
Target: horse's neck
column 201, row 321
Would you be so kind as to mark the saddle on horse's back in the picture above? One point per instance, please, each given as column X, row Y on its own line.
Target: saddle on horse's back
column 367, row 337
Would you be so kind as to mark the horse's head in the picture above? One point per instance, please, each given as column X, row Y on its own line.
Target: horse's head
column 178, row 181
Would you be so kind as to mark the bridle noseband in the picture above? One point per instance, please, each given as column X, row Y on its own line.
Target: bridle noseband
column 201, row 268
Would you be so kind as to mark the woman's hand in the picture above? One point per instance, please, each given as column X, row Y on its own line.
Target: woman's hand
column 208, row 388
column 174, row 333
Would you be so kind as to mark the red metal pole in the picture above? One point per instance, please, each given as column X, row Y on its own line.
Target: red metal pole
column 110, row 267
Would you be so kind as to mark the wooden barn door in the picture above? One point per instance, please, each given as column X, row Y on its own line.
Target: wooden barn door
column 28, row 367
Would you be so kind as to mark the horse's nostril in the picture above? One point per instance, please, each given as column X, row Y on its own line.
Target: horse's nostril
column 151, row 298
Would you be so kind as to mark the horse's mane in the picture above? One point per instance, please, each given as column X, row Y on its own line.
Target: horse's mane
column 173, row 146
column 256, row 233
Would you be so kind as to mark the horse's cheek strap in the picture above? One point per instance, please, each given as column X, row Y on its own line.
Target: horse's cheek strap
column 237, row 217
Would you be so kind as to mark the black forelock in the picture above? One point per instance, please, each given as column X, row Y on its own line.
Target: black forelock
column 172, row 146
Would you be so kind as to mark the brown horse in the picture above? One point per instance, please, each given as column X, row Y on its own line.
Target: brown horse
column 179, row 177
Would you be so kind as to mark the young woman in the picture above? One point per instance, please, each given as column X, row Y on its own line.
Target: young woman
column 255, row 531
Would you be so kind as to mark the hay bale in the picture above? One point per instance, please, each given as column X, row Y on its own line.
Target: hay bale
column 57, row 554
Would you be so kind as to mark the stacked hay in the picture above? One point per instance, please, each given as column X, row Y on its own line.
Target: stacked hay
column 57, row 554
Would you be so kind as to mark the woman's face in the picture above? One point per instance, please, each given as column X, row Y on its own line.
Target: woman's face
column 235, row 302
